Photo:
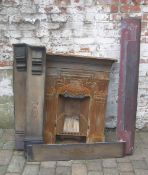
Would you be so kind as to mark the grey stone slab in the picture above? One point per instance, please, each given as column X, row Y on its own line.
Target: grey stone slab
column 5, row 156
column 138, row 139
column 47, row 171
column 139, row 164
column 16, row 164
column 63, row 171
column 12, row 174
column 127, row 173
column 48, row 164
column 1, row 132
column 79, row 161
column 95, row 173
column 141, row 172
column 31, row 170
column 145, row 153
column 33, row 163
column 79, row 169
column 123, row 160
column 3, row 170
column 109, row 163
column 124, row 167
column 64, row 163
column 137, row 154
column 144, row 136
column 94, row 165
column 110, row 171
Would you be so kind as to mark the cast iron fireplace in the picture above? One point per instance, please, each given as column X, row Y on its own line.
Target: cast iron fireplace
column 76, row 93
column 60, row 101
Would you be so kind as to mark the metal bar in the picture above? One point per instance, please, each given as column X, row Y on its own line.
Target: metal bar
column 82, row 151
column 128, row 81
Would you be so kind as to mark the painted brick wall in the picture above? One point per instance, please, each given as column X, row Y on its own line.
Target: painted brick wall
column 85, row 27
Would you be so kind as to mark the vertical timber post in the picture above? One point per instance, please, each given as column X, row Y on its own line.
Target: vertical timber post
column 19, row 86
column 128, row 81
column 35, row 87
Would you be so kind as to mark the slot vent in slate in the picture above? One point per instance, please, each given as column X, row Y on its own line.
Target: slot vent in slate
column 37, row 64
column 20, row 57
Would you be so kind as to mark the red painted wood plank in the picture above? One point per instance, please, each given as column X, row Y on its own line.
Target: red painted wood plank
column 128, row 81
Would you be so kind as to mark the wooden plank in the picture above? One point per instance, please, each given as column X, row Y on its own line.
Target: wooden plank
column 128, row 82
column 48, row 152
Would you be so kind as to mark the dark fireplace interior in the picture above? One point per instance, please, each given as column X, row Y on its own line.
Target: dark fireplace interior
column 72, row 118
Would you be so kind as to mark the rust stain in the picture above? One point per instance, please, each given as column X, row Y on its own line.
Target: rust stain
column 74, row 90
column 6, row 63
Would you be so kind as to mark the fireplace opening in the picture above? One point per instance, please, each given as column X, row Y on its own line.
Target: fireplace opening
column 72, row 118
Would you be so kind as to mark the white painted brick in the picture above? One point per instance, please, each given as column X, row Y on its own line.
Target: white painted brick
column 84, row 40
column 102, row 17
column 89, row 18
column 54, row 26
column 59, row 17
column 100, row 40
column 61, row 34
column 61, row 49
column 28, row 9
column 144, row 8
column 33, row 41
column 28, row 34
column 13, row 34
column 77, row 17
column 143, row 47
column 143, row 69
column 89, row 2
column 12, row 11
column 62, row 41
column 43, row 2
column 15, row 18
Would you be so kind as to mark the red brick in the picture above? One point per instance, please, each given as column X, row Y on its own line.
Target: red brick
column 145, row 16
column 124, row 1
column 114, row 8
column 125, row 8
column 107, row 1
column 77, row 1
column 135, row 8
column 6, row 63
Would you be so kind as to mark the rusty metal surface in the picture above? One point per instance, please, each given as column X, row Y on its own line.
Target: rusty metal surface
column 83, row 57
column 76, row 87
column 52, row 152
column 128, row 81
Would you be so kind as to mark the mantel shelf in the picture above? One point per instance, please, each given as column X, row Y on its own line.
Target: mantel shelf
column 83, row 57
